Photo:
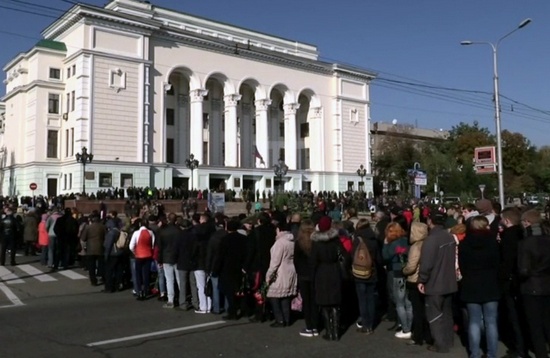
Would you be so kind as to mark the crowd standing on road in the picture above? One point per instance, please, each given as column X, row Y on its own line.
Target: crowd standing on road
column 470, row 270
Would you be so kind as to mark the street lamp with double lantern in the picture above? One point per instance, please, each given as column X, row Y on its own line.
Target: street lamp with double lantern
column 84, row 158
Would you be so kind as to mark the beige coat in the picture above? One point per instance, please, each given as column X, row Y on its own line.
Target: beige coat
column 419, row 231
column 282, row 262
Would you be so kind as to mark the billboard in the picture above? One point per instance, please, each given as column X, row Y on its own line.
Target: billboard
column 485, row 160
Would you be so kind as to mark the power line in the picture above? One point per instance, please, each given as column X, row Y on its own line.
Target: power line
column 28, row 12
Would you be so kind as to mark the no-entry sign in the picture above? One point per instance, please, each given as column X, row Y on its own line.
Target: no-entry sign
column 33, row 186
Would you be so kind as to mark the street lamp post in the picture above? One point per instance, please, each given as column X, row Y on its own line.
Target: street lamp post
column 494, row 46
column 362, row 172
column 84, row 158
column 280, row 169
column 192, row 164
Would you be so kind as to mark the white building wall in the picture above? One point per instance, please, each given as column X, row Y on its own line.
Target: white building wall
column 115, row 122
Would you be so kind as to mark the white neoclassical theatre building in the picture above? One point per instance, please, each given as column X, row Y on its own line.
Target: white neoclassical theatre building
column 144, row 87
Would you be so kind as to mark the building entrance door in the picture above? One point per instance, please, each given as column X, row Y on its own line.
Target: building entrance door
column 52, row 187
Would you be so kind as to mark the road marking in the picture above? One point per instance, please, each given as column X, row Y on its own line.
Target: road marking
column 72, row 275
column 11, row 296
column 9, row 277
column 154, row 334
column 36, row 273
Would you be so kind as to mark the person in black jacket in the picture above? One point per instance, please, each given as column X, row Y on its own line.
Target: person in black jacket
column 112, row 258
column 326, row 275
column 229, row 267
column 259, row 245
column 510, row 237
column 302, row 252
column 203, row 231
column 184, row 260
column 9, row 231
column 479, row 261
column 169, row 237
column 66, row 230
column 534, row 272
column 366, row 287
column 212, row 255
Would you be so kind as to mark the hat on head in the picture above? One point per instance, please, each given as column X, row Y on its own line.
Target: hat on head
column 325, row 223
column 437, row 217
column 484, row 206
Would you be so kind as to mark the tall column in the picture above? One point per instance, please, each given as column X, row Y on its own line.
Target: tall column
column 196, row 124
column 230, row 134
column 316, row 140
column 290, row 135
column 262, row 141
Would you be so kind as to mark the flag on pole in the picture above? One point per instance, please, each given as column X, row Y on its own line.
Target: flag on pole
column 257, row 155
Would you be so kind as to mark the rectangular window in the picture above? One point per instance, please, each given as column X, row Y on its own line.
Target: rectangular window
column 105, row 180
column 67, row 139
column 73, row 100
column 68, row 102
column 205, row 120
column 71, row 153
column 126, row 180
column 70, row 180
column 53, row 140
column 64, row 181
column 169, row 150
column 53, row 103
column 205, row 153
column 89, row 175
column 282, row 129
column 69, row 72
column 304, row 130
column 170, row 116
column 74, row 70
column 268, row 183
column 304, row 154
column 55, row 73
column 281, row 153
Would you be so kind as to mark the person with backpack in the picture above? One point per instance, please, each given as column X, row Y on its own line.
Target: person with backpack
column 113, row 256
column 366, row 263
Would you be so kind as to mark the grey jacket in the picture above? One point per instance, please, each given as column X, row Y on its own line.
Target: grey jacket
column 438, row 263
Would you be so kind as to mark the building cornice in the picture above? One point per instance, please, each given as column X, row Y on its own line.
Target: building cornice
column 107, row 55
column 60, row 86
column 29, row 54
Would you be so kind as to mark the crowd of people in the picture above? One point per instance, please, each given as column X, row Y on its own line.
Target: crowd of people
column 470, row 270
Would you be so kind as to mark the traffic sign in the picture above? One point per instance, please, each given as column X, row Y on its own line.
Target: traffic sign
column 33, row 186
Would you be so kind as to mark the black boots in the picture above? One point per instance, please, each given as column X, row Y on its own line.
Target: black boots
column 331, row 317
column 335, row 323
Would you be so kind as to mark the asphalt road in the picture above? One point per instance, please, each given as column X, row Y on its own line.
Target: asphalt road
column 67, row 317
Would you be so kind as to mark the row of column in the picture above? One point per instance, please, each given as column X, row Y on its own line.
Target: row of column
column 231, row 128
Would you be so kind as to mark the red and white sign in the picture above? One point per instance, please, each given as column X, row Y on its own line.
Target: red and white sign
column 485, row 155
column 33, row 186
column 485, row 160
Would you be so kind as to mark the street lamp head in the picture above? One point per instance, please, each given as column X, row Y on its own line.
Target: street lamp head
column 524, row 23
column 78, row 157
column 466, row 43
column 90, row 157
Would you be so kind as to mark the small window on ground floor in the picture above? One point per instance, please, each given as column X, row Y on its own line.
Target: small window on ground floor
column 105, row 180
column 126, row 180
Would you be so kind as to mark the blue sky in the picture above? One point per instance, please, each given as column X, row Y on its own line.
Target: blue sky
column 416, row 42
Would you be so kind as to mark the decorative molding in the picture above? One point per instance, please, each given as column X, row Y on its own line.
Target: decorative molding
column 231, row 100
column 291, row 109
column 316, row 112
column 354, row 116
column 198, row 95
column 117, row 79
column 262, row 104
column 183, row 99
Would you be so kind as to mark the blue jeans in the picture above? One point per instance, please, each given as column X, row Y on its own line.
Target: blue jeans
column 44, row 255
column 161, row 279
column 134, row 276
column 366, row 298
column 487, row 314
column 52, row 243
column 215, row 294
column 402, row 304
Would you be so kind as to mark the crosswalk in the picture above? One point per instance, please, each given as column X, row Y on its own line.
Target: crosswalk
column 28, row 273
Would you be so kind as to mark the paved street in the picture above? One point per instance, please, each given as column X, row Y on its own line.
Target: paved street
column 60, row 316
